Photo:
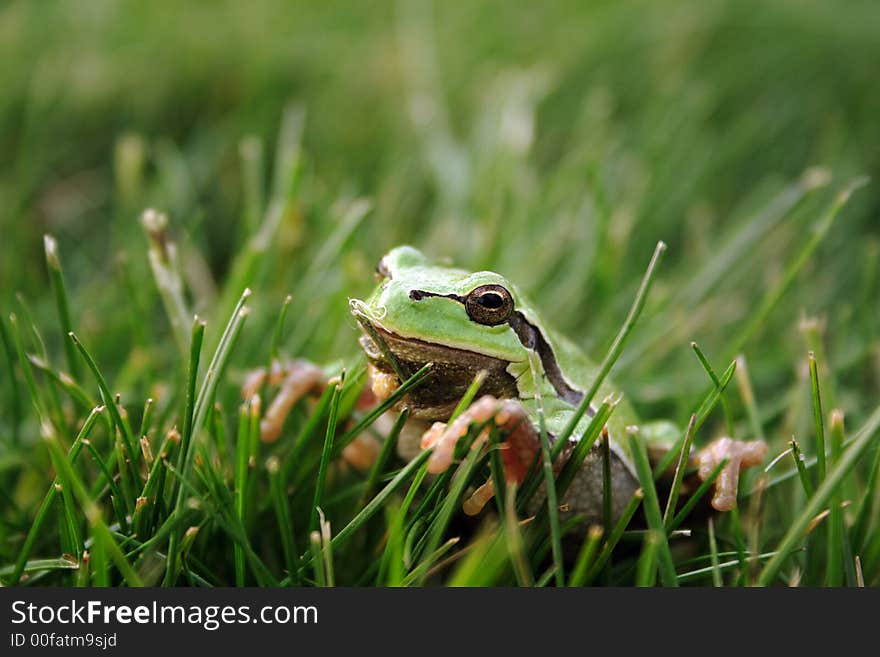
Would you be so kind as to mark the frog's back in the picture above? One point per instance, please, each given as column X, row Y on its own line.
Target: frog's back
column 582, row 372
column 577, row 368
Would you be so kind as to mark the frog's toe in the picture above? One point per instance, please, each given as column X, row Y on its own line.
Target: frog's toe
column 361, row 453
column 739, row 455
column 444, row 437
column 518, row 449
column 441, row 457
column 479, row 498
column 299, row 379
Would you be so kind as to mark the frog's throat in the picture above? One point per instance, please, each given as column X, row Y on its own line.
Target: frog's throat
column 532, row 338
column 452, row 372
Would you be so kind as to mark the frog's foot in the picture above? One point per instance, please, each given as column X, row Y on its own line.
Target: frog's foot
column 740, row 455
column 479, row 498
column 382, row 384
column 518, row 450
column 361, row 452
column 295, row 379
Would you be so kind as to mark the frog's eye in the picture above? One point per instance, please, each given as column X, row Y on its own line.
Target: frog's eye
column 382, row 270
column 489, row 305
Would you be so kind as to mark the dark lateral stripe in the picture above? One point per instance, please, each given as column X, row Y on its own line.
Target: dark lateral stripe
column 532, row 338
column 418, row 295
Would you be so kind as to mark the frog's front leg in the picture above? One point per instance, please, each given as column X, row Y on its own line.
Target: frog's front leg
column 518, row 451
column 740, row 454
column 661, row 436
column 295, row 379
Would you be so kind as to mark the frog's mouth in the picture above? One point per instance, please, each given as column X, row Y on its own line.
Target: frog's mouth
column 452, row 371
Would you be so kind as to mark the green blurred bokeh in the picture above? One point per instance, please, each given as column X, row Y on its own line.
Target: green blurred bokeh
column 555, row 141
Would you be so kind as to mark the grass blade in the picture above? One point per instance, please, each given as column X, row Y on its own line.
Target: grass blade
column 798, row 457
column 652, row 510
column 56, row 277
column 49, row 498
column 817, row 416
column 774, row 294
column 828, row 487
column 585, row 556
column 92, row 512
column 283, row 516
column 162, row 254
column 717, row 383
column 702, row 413
column 122, row 427
column 377, row 502
column 713, row 550
column 462, row 477
column 242, row 452
column 722, row 567
column 549, row 480
column 692, row 501
column 616, row 346
column 378, row 467
column 515, row 544
column 680, row 467
column 611, row 541
column 646, row 568
column 325, row 455
column 836, row 536
column 199, row 411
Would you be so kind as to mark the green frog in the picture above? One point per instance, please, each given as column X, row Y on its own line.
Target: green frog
column 479, row 323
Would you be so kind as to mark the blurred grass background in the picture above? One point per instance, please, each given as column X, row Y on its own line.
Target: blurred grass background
column 556, row 142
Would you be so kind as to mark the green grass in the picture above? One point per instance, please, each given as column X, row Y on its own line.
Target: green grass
column 285, row 150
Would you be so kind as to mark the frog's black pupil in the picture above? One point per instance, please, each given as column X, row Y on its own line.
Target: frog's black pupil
column 491, row 300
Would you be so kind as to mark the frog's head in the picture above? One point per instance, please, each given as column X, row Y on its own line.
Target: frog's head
column 419, row 300
column 460, row 321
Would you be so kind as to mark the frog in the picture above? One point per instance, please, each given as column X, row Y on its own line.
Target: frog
column 479, row 325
